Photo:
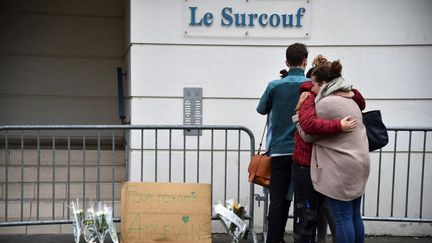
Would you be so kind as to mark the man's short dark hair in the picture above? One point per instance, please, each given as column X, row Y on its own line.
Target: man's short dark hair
column 295, row 54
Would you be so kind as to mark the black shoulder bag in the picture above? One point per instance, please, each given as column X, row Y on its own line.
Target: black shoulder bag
column 375, row 129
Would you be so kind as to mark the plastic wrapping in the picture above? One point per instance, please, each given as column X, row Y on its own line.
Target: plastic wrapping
column 89, row 233
column 77, row 219
column 93, row 223
column 232, row 216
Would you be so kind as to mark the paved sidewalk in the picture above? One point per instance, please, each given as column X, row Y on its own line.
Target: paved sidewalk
column 222, row 238
column 216, row 238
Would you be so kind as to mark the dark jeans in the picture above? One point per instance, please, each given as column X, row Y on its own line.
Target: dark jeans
column 307, row 201
column 325, row 217
column 279, row 205
column 349, row 224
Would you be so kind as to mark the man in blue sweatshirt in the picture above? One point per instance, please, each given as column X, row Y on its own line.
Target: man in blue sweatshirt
column 280, row 98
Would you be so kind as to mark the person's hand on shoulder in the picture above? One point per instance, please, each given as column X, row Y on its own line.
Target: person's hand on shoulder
column 348, row 124
column 303, row 97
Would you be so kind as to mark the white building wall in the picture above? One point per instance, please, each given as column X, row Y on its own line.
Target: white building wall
column 381, row 45
column 385, row 48
column 58, row 61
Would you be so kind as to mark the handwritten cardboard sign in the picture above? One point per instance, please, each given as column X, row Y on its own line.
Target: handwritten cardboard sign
column 165, row 212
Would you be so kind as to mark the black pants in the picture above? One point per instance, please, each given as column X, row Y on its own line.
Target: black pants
column 325, row 217
column 307, row 201
column 279, row 205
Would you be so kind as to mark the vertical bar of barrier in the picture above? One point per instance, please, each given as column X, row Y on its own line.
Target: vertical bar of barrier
column 184, row 156
column 156, row 154
column 408, row 174
column 98, row 167
column 22, row 175
column 265, row 219
column 379, row 182
column 211, row 162
column 198, row 152
column 38, row 175
column 169, row 154
column 128, row 150
column 252, row 190
column 238, row 167
column 6, row 174
column 422, row 177
column 68, row 171
column 84, row 171
column 394, row 170
column 113, row 160
column 226, row 165
column 53, row 173
column 142, row 154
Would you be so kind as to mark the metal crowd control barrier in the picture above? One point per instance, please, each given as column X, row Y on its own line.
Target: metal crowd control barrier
column 398, row 187
column 43, row 168
column 398, row 177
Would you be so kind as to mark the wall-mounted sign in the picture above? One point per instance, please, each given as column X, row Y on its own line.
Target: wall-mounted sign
column 192, row 109
column 247, row 18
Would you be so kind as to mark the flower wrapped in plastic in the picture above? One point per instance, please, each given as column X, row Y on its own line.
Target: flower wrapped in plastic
column 232, row 217
column 104, row 223
column 93, row 223
column 112, row 230
column 77, row 219
column 89, row 232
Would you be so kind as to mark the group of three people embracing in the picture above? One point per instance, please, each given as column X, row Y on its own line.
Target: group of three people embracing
column 318, row 147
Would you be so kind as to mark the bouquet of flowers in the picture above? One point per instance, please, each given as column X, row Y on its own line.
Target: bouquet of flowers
column 104, row 223
column 233, row 218
column 89, row 232
column 93, row 224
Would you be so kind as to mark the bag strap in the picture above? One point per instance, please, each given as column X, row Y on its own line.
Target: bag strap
column 252, row 175
column 262, row 136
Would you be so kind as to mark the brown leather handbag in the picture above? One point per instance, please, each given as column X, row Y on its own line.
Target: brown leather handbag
column 260, row 166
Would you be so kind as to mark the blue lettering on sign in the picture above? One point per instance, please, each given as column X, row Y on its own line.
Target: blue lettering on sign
column 252, row 17
column 287, row 23
column 192, row 19
column 242, row 20
column 226, row 16
column 207, row 18
column 261, row 20
column 274, row 20
column 299, row 14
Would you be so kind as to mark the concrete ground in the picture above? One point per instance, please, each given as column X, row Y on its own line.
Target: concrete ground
column 223, row 238
column 216, row 238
